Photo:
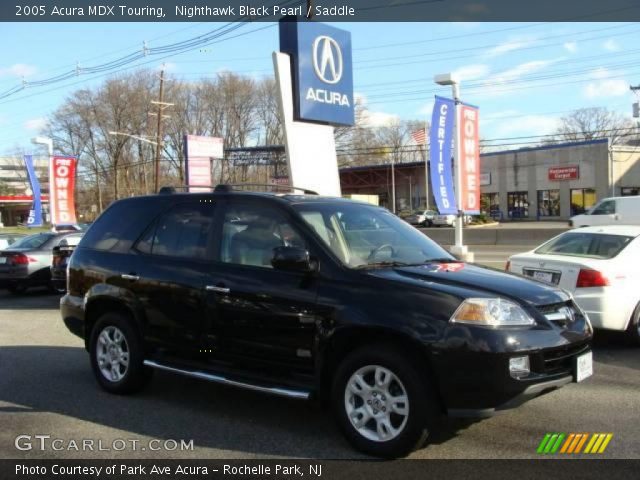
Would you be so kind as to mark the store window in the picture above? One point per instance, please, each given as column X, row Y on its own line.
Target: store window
column 518, row 204
column 548, row 203
column 630, row 191
column 582, row 199
column 490, row 204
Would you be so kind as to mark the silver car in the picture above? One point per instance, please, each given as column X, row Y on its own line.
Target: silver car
column 7, row 239
column 422, row 217
column 26, row 263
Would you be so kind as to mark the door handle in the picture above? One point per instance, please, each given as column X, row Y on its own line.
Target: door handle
column 133, row 278
column 213, row 288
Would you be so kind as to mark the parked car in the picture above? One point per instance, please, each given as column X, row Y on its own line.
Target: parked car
column 421, row 217
column 448, row 220
column 610, row 211
column 27, row 262
column 7, row 239
column 599, row 266
column 313, row 297
column 61, row 254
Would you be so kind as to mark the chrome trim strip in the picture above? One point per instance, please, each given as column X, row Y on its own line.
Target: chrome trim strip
column 213, row 288
column 285, row 392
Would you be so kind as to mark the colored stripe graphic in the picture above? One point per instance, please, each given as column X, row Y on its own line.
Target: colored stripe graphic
column 573, row 443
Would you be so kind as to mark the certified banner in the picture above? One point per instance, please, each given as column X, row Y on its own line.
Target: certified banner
column 469, row 159
column 35, row 214
column 62, row 181
column 441, row 137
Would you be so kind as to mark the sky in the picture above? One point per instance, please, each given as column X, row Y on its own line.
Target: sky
column 523, row 76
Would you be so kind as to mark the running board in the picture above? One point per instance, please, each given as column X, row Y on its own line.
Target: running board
column 283, row 392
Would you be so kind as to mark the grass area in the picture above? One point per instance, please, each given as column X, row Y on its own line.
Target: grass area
column 25, row 230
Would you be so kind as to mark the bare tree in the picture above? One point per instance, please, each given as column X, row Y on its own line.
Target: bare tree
column 593, row 123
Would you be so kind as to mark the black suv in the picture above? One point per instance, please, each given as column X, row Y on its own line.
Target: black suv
column 307, row 296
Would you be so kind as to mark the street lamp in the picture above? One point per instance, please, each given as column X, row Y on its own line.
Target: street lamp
column 459, row 248
column 44, row 141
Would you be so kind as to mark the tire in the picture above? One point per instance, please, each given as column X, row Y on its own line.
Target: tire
column 633, row 330
column 115, row 372
column 411, row 430
column 53, row 289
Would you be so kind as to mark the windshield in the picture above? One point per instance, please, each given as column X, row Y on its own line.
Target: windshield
column 32, row 241
column 366, row 236
column 592, row 245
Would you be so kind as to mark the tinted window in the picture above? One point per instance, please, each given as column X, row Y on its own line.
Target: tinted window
column 120, row 225
column 33, row 241
column 249, row 235
column 181, row 232
column 594, row 245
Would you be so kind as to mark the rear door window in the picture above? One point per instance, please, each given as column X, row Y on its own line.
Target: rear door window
column 593, row 245
column 184, row 231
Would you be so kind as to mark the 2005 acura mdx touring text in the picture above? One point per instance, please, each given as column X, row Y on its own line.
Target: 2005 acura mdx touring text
column 307, row 296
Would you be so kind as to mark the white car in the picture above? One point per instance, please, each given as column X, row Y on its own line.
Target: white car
column 448, row 220
column 610, row 211
column 422, row 217
column 599, row 266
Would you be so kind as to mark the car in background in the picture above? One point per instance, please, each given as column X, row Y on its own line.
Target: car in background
column 610, row 211
column 599, row 266
column 27, row 262
column 61, row 254
column 7, row 239
column 421, row 217
column 448, row 220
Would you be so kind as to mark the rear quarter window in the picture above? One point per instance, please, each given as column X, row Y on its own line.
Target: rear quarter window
column 120, row 225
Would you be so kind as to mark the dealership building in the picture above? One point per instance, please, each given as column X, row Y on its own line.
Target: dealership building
column 15, row 193
column 547, row 182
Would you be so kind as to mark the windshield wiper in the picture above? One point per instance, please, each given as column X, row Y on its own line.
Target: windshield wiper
column 387, row 263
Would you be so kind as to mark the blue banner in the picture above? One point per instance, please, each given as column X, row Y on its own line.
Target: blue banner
column 441, row 138
column 35, row 214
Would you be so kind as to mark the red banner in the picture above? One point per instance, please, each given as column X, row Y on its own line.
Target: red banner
column 62, row 183
column 570, row 172
column 469, row 159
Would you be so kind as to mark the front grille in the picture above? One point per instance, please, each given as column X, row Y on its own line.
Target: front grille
column 562, row 314
column 560, row 360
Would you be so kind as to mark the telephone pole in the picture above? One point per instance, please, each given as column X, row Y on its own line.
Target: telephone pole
column 161, row 105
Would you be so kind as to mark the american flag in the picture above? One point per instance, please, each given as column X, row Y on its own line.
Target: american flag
column 419, row 136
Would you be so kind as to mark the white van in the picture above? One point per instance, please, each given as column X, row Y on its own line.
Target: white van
column 610, row 211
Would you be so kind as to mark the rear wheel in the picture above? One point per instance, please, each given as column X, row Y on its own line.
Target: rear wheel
column 384, row 406
column 117, row 355
column 633, row 330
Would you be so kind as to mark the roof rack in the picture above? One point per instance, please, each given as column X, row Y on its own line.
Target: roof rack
column 230, row 187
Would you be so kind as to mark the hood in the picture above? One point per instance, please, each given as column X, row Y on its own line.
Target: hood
column 469, row 280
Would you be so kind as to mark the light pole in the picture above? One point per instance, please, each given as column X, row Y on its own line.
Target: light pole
column 49, row 143
column 459, row 248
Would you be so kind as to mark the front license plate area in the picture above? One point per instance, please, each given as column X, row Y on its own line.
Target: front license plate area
column 584, row 366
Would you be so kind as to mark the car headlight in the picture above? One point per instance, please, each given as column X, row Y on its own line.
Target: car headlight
column 494, row 312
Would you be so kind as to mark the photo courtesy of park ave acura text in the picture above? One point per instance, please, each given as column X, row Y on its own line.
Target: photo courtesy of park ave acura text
column 323, row 239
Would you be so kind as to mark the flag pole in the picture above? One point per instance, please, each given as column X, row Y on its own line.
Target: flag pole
column 426, row 168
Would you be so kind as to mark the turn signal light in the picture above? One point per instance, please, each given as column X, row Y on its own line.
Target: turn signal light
column 591, row 278
column 507, row 267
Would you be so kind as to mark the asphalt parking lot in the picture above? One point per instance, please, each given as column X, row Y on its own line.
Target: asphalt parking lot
column 46, row 387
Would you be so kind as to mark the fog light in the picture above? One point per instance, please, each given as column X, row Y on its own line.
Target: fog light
column 519, row 366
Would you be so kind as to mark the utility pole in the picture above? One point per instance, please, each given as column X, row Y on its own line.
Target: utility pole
column 161, row 104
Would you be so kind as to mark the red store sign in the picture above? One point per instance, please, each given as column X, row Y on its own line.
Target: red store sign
column 570, row 172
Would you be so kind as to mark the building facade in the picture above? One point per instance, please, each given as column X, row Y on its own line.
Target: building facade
column 15, row 191
column 551, row 182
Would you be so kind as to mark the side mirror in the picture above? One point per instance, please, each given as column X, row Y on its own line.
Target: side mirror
column 616, row 216
column 294, row 259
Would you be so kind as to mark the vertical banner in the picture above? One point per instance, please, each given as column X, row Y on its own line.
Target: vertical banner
column 469, row 158
column 35, row 214
column 62, row 183
column 198, row 152
column 441, row 137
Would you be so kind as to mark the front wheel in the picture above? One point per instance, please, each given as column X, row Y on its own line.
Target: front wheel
column 117, row 355
column 383, row 405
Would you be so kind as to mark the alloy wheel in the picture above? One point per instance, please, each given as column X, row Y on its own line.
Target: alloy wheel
column 112, row 353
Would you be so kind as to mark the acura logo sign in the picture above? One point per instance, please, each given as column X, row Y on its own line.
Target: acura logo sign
column 327, row 59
